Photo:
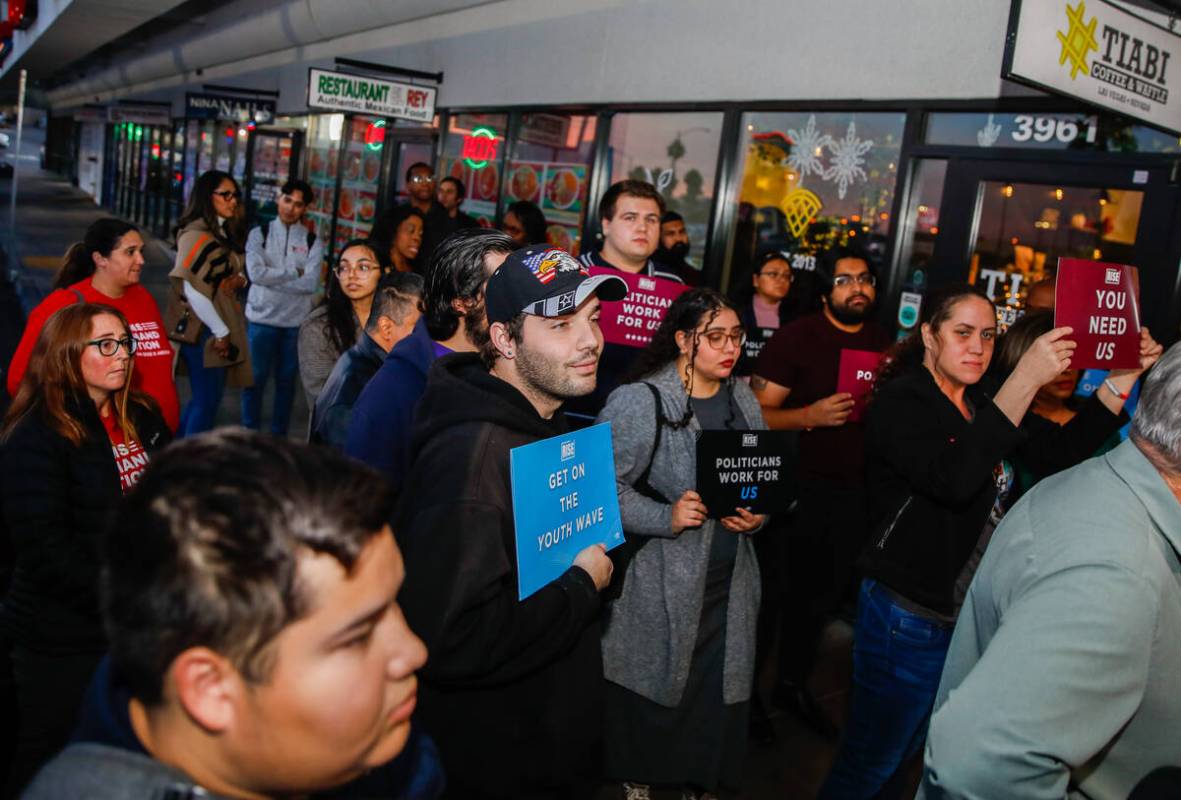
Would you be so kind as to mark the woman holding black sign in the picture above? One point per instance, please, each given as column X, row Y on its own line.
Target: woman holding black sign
column 678, row 644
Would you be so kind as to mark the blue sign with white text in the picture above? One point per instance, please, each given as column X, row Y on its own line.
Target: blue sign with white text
column 564, row 500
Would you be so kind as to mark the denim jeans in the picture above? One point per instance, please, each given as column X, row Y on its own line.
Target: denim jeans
column 898, row 658
column 271, row 348
column 208, row 385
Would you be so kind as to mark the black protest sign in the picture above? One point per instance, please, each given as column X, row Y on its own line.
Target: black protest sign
column 743, row 469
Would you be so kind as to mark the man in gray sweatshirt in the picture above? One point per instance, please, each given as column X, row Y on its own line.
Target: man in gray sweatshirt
column 283, row 260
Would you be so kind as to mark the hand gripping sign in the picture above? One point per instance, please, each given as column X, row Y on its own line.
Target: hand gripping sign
column 632, row 320
column 1101, row 302
column 564, row 500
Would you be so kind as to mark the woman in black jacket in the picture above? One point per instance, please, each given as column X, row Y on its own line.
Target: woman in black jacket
column 934, row 447
column 75, row 438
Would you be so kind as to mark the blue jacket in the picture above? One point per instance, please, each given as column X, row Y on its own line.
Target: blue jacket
column 379, row 430
column 350, row 374
column 104, row 719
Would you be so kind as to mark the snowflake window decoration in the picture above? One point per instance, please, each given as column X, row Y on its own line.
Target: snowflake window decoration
column 805, row 156
column 847, row 156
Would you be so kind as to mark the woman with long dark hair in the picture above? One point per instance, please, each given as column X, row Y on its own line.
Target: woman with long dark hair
column 334, row 325
column 679, row 642
column 936, row 444
column 398, row 239
column 75, row 438
column 525, row 224
column 106, row 267
column 206, row 314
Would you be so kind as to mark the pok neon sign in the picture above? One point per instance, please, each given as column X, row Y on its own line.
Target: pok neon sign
column 479, row 147
column 375, row 134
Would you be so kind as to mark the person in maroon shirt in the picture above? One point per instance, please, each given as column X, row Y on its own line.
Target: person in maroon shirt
column 795, row 380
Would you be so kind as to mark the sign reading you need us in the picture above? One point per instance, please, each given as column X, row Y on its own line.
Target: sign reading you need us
column 1099, row 53
column 564, row 500
column 340, row 91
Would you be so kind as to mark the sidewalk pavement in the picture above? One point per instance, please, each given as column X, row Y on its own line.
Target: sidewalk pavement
column 52, row 214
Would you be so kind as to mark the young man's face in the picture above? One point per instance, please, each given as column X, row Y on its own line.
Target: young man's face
column 559, row 356
column 448, row 195
column 421, row 185
column 291, row 207
column 342, row 690
column 634, row 231
column 853, row 291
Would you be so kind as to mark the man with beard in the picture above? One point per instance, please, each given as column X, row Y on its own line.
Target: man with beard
column 674, row 246
column 452, row 321
column 795, row 381
column 513, row 689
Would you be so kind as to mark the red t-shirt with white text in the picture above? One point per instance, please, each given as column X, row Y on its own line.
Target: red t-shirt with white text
column 130, row 458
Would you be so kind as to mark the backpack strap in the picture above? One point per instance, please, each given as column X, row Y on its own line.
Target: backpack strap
column 264, row 229
column 641, row 485
column 311, row 239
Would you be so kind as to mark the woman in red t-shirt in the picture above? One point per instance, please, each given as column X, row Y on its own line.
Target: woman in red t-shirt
column 73, row 439
column 105, row 268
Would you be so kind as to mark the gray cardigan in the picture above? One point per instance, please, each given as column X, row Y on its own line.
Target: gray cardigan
column 651, row 630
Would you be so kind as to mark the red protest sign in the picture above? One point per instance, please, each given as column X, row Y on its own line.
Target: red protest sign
column 632, row 320
column 855, row 375
column 1101, row 302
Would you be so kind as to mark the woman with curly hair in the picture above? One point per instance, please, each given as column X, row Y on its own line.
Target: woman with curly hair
column 679, row 642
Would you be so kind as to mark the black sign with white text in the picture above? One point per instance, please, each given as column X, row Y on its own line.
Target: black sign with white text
column 746, row 469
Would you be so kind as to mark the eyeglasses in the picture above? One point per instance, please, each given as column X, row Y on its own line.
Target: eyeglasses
column 776, row 276
column 361, row 268
column 229, row 194
column 717, row 339
column 108, row 347
column 420, row 178
column 864, row 279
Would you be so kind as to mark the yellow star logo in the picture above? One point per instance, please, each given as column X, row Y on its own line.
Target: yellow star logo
column 1078, row 41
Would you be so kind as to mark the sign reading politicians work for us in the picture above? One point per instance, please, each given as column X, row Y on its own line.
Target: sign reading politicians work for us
column 743, row 469
column 632, row 320
column 564, row 500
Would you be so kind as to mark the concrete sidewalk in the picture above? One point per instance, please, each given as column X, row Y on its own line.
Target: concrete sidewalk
column 52, row 214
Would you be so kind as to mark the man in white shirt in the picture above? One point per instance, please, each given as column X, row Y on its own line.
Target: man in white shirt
column 283, row 260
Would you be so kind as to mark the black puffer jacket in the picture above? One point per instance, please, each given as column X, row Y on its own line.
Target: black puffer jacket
column 56, row 500
column 512, row 690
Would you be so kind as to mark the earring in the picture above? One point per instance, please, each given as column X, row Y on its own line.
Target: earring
column 508, row 353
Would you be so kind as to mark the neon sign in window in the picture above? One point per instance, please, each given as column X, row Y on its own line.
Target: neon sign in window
column 479, row 147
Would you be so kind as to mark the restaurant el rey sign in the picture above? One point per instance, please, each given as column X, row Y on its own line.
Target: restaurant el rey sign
column 1098, row 53
column 340, row 91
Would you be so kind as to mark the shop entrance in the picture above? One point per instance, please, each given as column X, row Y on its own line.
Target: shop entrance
column 1003, row 225
column 405, row 149
column 271, row 155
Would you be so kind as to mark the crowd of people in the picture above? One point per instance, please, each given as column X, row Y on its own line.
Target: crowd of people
column 236, row 614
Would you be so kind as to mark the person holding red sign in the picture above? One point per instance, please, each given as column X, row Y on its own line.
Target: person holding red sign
column 934, row 445
column 679, row 642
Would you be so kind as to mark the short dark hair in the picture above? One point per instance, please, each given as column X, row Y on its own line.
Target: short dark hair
column 301, row 186
column 459, row 187
column 826, row 264
column 515, row 326
column 418, row 165
column 456, row 272
column 532, row 220
column 398, row 294
column 629, row 188
column 205, row 550
column 670, row 216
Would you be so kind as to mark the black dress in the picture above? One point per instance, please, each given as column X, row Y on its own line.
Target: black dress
column 702, row 741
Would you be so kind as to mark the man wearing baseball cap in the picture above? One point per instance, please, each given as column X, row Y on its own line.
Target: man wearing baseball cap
column 513, row 689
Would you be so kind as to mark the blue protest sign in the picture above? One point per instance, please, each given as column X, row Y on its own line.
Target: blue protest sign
column 564, row 500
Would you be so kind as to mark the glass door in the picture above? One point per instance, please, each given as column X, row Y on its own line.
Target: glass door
column 271, row 155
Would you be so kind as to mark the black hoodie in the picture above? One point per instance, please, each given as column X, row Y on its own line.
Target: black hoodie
column 512, row 689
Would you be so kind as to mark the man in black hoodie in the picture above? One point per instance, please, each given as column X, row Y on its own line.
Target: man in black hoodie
column 512, row 690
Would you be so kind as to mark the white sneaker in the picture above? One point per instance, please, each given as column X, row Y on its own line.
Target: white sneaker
column 637, row 791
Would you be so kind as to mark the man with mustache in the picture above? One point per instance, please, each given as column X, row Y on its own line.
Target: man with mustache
column 674, row 247
column 513, row 690
column 795, row 381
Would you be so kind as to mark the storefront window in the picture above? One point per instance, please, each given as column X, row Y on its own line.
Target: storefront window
column 920, row 226
column 361, row 172
column 474, row 152
column 676, row 153
column 324, row 132
column 548, row 165
column 811, row 181
column 1101, row 132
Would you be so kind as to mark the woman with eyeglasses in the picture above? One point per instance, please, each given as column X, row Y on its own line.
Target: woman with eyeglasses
column 76, row 437
column 334, row 325
column 679, row 642
column 525, row 224
column 206, row 313
column 766, row 310
column 106, row 267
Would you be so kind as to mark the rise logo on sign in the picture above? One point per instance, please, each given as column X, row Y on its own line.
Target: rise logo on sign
column 1101, row 302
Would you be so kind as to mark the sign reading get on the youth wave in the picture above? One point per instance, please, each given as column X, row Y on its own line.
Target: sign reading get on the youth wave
column 564, row 500
column 743, row 469
column 632, row 320
column 340, row 91
column 1101, row 302
column 1098, row 53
